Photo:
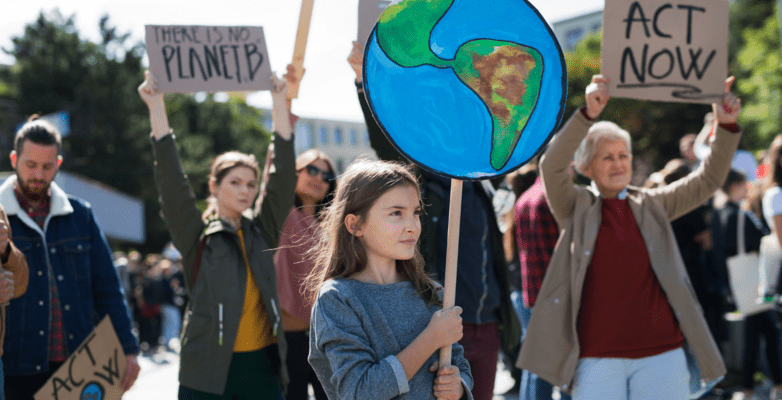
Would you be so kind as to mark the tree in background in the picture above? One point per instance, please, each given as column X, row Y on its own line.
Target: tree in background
column 755, row 60
column 109, row 141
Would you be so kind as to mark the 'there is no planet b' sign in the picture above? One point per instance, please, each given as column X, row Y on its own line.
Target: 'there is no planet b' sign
column 188, row 59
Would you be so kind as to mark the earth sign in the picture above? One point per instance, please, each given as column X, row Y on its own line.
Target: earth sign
column 469, row 89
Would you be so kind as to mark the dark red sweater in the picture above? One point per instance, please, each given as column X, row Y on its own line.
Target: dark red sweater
column 624, row 311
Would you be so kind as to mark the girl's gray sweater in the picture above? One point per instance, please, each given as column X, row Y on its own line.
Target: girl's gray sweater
column 356, row 331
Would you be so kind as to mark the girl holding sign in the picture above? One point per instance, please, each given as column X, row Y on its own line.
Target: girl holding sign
column 377, row 322
column 617, row 316
column 232, row 345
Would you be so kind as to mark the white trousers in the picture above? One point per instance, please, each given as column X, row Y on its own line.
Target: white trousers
column 664, row 376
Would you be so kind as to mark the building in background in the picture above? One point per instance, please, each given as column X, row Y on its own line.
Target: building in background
column 570, row 31
column 343, row 141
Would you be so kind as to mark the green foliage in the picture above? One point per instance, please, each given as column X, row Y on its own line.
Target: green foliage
column 96, row 82
column 756, row 64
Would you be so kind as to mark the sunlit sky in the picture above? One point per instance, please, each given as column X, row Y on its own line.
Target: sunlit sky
column 326, row 91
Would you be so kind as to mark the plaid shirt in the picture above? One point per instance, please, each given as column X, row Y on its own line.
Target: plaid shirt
column 58, row 351
column 536, row 236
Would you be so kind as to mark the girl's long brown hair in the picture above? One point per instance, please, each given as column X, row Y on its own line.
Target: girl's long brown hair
column 339, row 254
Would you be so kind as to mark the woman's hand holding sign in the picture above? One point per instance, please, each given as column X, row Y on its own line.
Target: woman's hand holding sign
column 281, row 119
column 596, row 96
column 157, row 107
column 728, row 113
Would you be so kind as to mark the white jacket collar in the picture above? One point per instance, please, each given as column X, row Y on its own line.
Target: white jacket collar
column 59, row 200
column 621, row 196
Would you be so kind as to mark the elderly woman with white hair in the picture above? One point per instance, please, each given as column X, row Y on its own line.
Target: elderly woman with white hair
column 616, row 317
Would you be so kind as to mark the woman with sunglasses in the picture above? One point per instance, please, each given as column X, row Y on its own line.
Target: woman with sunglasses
column 315, row 186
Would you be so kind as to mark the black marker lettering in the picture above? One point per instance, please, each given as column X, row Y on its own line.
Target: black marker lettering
column 166, row 33
column 630, row 19
column 194, row 32
column 179, row 63
column 222, row 58
column 70, row 373
column 652, row 62
column 194, row 56
column 694, row 63
column 86, row 346
column 112, row 369
column 212, row 59
column 690, row 9
column 640, row 73
column 236, row 60
column 251, row 49
column 186, row 35
column 168, row 55
column 55, row 388
column 657, row 16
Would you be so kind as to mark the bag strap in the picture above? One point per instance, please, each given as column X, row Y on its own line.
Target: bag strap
column 197, row 263
column 740, row 233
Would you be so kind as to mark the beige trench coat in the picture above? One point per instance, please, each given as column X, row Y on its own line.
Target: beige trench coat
column 551, row 349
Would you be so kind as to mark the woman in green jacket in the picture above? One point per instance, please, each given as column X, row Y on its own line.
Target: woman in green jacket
column 230, row 345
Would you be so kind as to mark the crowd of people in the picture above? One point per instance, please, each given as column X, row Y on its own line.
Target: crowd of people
column 155, row 291
column 294, row 277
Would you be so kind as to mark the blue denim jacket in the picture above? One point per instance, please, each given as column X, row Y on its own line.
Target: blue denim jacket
column 87, row 282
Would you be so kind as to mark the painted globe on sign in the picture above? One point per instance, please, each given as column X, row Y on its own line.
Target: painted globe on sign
column 469, row 89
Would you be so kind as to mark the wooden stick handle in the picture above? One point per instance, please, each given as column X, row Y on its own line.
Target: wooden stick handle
column 451, row 256
column 301, row 45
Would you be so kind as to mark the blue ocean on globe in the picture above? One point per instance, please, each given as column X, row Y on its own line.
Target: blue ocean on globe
column 437, row 120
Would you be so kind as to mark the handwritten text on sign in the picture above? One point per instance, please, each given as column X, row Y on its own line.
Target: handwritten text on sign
column 666, row 51
column 93, row 371
column 208, row 58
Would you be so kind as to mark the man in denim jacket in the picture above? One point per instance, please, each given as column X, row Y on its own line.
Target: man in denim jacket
column 72, row 280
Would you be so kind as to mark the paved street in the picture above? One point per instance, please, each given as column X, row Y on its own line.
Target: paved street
column 158, row 379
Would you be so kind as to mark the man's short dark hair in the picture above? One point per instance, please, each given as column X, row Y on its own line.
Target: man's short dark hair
column 40, row 132
column 734, row 178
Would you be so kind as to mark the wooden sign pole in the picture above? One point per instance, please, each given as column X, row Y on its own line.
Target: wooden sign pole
column 301, row 45
column 451, row 256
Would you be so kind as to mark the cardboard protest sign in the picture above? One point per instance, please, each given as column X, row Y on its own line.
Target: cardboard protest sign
column 658, row 50
column 368, row 13
column 188, row 59
column 93, row 371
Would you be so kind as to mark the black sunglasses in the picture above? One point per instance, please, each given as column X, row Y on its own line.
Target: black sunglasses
column 314, row 171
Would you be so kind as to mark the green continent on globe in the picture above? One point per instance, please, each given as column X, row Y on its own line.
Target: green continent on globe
column 507, row 77
column 403, row 31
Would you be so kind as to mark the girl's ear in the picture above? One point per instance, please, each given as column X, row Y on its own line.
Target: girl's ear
column 212, row 187
column 352, row 225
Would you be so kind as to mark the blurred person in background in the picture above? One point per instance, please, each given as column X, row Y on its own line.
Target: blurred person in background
column 315, row 186
column 764, row 324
